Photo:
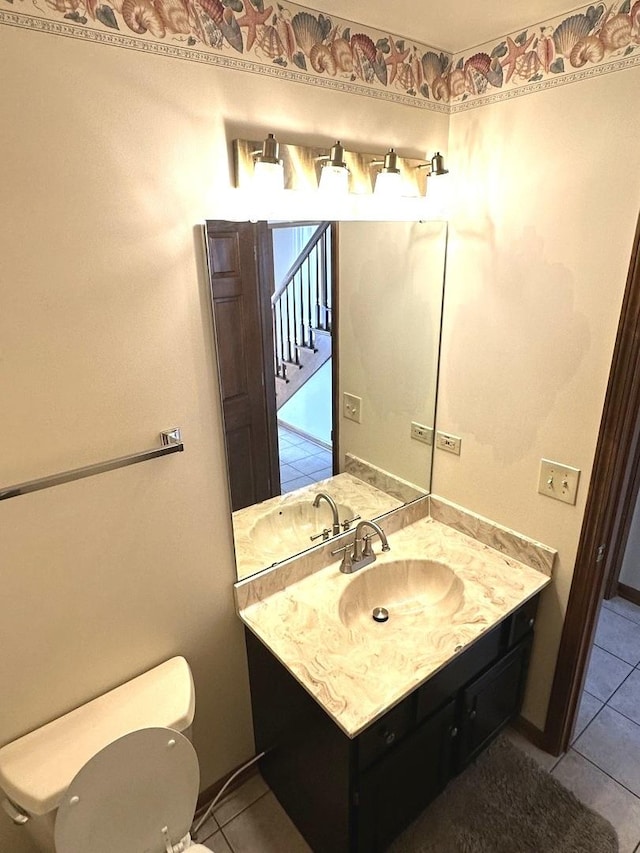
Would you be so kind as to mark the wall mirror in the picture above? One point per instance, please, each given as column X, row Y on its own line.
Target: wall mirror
column 328, row 337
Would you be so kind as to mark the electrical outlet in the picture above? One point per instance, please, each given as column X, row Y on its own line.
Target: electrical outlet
column 558, row 481
column 421, row 433
column 352, row 407
column 448, row 442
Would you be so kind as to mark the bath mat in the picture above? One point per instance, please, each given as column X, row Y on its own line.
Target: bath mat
column 504, row 803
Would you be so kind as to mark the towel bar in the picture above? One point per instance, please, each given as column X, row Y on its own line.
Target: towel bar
column 171, row 443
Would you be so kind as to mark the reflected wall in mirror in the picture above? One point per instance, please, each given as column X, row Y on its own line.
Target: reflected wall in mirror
column 391, row 277
column 328, row 338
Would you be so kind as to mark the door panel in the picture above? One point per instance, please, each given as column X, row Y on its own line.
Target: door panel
column 241, row 279
column 232, row 358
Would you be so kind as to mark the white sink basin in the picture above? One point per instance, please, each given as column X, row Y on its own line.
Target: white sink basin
column 288, row 528
column 415, row 591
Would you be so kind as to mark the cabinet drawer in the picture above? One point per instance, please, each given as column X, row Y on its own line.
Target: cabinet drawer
column 455, row 675
column 384, row 734
column 522, row 621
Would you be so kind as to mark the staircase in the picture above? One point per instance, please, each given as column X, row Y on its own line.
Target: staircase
column 301, row 312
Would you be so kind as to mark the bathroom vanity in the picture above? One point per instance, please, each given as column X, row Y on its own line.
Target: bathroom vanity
column 357, row 794
column 364, row 723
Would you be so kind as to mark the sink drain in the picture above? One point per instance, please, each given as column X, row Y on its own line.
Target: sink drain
column 380, row 614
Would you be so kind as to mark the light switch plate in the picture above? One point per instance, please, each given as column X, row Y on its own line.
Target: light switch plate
column 558, row 481
column 421, row 433
column 448, row 442
column 352, row 407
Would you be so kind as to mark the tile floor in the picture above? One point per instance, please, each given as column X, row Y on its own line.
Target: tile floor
column 602, row 767
column 251, row 820
column 302, row 461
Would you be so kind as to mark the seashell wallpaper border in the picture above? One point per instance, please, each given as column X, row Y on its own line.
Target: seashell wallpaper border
column 292, row 42
column 277, row 39
column 587, row 42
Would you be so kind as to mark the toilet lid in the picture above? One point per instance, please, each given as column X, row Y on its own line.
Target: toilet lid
column 127, row 793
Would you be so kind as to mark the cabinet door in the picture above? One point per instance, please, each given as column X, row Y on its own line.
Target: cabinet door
column 396, row 789
column 492, row 700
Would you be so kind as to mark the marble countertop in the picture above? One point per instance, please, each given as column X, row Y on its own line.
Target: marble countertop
column 251, row 554
column 358, row 671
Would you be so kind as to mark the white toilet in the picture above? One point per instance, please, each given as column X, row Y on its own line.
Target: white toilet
column 114, row 776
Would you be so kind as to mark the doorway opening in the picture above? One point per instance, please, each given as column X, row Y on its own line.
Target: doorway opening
column 613, row 493
column 275, row 327
column 302, row 307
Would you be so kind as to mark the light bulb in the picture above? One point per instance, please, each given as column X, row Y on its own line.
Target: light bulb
column 334, row 179
column 388, row 184
column 268, row 177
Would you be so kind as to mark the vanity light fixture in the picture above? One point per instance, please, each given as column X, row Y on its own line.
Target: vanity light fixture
column 388, row 180
column 435, row 166
column 268, row 171
column 336, row 171
column 334, row 177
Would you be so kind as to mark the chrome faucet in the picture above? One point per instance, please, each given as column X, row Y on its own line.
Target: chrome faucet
column 334, row 509
column 362, row 548
column 362, row 544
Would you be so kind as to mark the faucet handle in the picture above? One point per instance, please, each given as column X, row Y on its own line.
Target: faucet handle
column 346, row 566
column 348, row 521
column 324, row 535
column 367, row 551
column 368, row 547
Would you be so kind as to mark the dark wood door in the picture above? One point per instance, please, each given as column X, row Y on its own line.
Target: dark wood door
column 241, row 277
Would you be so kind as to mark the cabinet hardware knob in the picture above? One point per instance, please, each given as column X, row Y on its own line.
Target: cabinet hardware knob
column 532, row 622
column 388, row 736
column 472, row 715
column 454, row 732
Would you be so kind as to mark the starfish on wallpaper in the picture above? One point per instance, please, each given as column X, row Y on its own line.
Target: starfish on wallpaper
column 395, row 58
column 252, row 19
column 515, row 51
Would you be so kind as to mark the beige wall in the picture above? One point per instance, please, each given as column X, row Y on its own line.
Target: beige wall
column 391, row 278
column 548, row 193
column 110, row 157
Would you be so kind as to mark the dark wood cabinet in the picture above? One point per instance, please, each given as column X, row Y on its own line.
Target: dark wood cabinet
column 490, row 701
column 356, row 795
column 395, row 790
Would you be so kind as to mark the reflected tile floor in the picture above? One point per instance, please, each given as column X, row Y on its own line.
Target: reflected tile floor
column 303, row 461
column 600, row 767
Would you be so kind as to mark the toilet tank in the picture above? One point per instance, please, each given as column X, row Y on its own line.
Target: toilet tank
column 36, row 770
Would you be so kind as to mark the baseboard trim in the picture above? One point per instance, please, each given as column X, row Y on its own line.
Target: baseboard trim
column 205, row 797
column 530, row 732
column 629, row 593
column 305, row 435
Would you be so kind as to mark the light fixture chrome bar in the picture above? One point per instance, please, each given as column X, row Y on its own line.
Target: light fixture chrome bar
column 171, row 443
column 302, row 167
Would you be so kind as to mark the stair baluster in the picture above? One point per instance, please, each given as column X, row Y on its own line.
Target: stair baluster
column 278, row 330
column 301, row 304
